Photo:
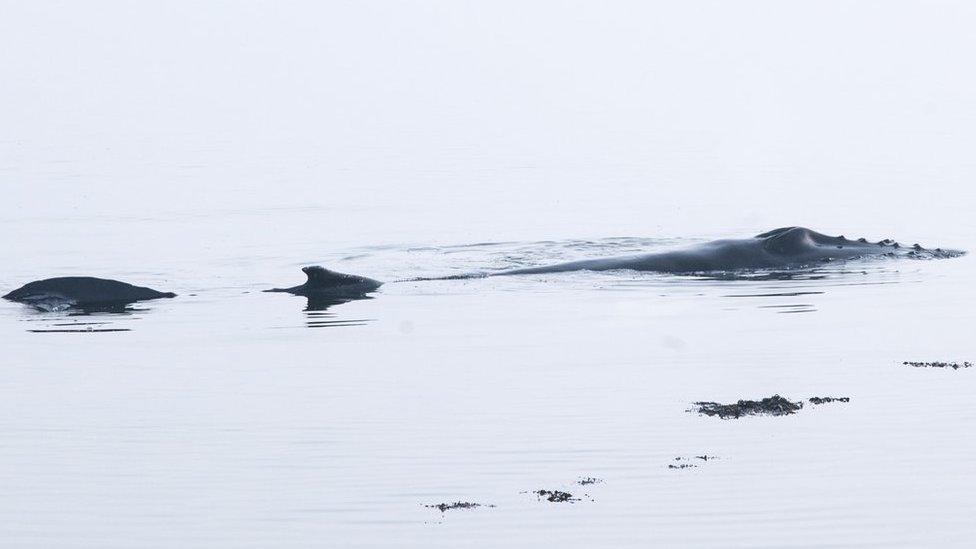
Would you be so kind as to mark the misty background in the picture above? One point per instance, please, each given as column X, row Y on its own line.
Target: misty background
column 213, row 148
column 460, row 121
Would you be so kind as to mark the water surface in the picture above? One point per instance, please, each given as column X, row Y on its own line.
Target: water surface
column 219, row 417
column 212, row 149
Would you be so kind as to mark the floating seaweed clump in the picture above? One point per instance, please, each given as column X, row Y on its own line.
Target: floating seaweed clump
column 685, row 462
column 825, row 400
column 953, row 365
column 773, row 406
column 456, row 505
column 555, row 496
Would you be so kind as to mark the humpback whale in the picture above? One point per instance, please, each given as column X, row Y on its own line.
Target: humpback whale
column 783, row 248
column 83, row 292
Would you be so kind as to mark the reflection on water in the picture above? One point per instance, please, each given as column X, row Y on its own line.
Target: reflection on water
column 792, row 308
column 105, row 308
column 86, row 330
column 102, row 318
column 319, row 316
column 782, row 294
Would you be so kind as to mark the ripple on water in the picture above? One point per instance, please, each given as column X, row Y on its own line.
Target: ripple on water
column 84, row 321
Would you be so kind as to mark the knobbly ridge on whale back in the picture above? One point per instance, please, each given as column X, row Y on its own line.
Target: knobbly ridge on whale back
column 788, row 247
column 784, row 248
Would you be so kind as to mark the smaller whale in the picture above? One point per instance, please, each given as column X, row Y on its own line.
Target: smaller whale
column 83, row 292
column 324, row 285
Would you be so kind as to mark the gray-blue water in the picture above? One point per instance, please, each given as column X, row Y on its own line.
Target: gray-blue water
column 212, row 150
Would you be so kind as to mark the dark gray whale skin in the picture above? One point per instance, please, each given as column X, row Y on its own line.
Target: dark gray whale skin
column 784, row 248
column 325, row 284
column 82, row 292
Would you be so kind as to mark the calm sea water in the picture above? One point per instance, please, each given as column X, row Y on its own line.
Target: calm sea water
column 214, row 150
column 222, row 418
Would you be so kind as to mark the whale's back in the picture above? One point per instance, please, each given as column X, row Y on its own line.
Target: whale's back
column 797, row 241
column 782, row 248
column 82, row 290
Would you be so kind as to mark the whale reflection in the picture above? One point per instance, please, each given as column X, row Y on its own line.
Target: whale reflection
column 318, row 314
column 90, row 318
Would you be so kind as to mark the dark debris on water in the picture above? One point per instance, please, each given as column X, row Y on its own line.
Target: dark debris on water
column 684, row 461
column 773, row 406
column 825, row 400
column 555, row 496
column 586, row 481
column 953, row 365
column 457, row 505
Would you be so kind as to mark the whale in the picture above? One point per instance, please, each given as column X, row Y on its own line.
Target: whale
column 325, row 286
column 784, row 248
column 82, row 292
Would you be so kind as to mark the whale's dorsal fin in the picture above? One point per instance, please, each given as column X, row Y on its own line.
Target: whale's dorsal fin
column 775, row 232
column 788, row 240
column 322, row 277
